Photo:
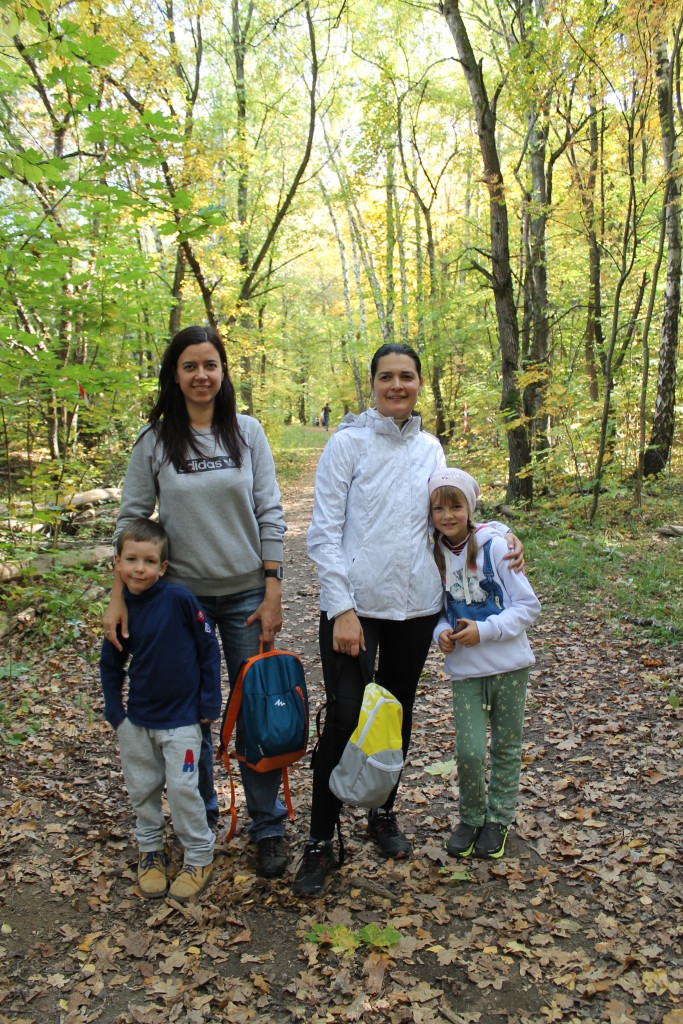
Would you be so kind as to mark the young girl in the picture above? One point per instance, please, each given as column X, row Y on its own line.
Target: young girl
column 486, row 611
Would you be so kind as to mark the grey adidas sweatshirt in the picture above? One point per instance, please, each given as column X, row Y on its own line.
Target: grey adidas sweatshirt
column 222, row 522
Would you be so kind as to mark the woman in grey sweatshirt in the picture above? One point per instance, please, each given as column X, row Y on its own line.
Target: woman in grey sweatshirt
column 210, row 473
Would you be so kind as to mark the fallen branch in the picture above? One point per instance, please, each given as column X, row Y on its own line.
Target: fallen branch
column 674, row 630
column 68, row 558
column 670, row 531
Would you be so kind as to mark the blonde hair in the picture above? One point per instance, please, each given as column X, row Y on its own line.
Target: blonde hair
column 452, row 497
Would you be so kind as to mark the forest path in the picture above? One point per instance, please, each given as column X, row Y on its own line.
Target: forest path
column 580, row 920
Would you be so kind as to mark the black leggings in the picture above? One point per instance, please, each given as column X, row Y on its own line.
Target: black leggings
column 403, row 648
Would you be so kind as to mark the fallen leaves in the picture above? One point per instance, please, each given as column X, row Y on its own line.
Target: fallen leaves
column 580, row 920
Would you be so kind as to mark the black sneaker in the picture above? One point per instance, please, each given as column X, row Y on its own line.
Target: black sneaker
column 491, row 841
column 461, row 843
column 317, row 860
column 272, row 856
column 383, row 829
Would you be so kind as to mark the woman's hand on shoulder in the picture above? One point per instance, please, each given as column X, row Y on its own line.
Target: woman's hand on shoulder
column 347, row 634
column 515, row 555
column 116, row 616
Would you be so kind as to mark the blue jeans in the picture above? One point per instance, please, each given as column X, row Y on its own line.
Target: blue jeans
column 227, row 616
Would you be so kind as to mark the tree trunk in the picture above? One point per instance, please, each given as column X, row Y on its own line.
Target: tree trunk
column 661, row 438
column 390, row 189
column 175, row 317
column 594, row 336
column 520, row 487
column 239, row 45
column 350, row 331
column 539, row 354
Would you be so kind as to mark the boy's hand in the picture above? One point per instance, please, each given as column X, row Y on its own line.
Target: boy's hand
column 447, row 641
column 467, row 633
column 207, row 721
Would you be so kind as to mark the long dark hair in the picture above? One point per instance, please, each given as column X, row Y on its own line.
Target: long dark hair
column 396, row 348
column 169, row 418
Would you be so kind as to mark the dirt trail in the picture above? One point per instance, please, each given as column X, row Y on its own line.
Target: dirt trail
column 580, row 921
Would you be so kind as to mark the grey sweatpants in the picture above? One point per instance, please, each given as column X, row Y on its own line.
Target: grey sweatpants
column 152, row 758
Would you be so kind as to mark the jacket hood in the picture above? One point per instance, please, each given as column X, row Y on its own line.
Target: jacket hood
column 380, row 424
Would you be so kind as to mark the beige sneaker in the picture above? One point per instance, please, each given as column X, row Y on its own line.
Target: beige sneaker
column 152, row 874
column 190, row 882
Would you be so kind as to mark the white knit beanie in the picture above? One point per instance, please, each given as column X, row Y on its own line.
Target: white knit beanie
column 465, row 483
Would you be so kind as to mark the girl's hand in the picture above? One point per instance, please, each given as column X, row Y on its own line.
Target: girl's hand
column 515, row 555
column 447, row 641
column 467, row 633
column 269, row 612
column 347, row 634
column 115, row 616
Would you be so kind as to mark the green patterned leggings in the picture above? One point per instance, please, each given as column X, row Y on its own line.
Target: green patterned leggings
column 476, row 701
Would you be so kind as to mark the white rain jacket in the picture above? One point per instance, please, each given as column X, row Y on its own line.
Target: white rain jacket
column 370, row 532
column 369, row 535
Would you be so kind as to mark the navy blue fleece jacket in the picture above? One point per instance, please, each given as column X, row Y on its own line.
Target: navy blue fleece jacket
column 174, row 675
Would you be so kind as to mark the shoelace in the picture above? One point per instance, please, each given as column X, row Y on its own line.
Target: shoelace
column 150, row 859
column 387, row 823
column 316, row 852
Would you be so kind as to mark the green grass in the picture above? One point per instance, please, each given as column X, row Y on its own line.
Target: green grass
column 295, row 448
column 618, row 567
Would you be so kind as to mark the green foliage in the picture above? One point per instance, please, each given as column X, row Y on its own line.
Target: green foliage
column 341, row 939
column 295, row 448
column 621, row 566
column 63, row 599
column 458, row 875
column 442, row 768
column 108, row 161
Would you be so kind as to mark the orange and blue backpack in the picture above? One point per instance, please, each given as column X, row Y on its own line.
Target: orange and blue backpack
column 270, row 691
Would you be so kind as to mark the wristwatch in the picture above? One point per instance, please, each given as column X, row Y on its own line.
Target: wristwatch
column 276, row 574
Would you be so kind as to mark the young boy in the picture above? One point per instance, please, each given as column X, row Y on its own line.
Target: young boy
column 173, row 686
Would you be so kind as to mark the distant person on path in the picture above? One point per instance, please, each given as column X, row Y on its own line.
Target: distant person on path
column 326, row 416
column 380, row 591
column 487, row 609
column 174, row 686
column 212, row 474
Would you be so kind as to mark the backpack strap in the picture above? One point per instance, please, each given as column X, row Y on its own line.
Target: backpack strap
column 490, row 584
column 487, row 567
column 232, row 710
column 285, row 793
column 233, row 809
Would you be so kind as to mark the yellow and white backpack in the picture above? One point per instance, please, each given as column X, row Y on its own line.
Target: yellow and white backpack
column 372, row 761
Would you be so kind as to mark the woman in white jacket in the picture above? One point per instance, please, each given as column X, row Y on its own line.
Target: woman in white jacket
column 380, row 590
